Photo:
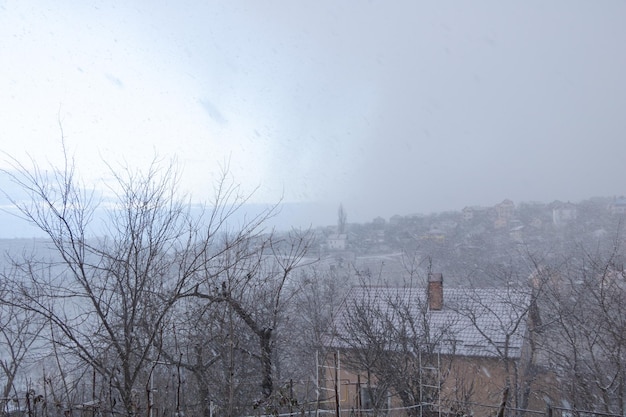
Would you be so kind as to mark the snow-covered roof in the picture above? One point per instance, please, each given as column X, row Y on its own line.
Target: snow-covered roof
column 472, row 322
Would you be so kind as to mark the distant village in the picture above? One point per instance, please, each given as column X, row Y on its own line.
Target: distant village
column 461, row 241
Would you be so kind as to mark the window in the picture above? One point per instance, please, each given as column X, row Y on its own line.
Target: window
column 374, row 399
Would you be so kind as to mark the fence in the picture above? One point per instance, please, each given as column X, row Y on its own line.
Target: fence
column 477, row 410
column 34, row 407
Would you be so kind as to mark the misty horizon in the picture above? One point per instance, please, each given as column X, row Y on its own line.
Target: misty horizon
column 386, row 109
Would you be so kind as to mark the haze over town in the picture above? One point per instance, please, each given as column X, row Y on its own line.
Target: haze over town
column 388, row 109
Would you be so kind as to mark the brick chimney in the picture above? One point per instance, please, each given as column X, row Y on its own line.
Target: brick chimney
column 435, row 291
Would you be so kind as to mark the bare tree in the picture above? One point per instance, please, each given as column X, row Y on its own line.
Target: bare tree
column 254, row 289
column 506, row 331
column 20, row 339
column 311, row 311
column 583, row 330
column 342, row 219
column 216, row 349
column 108, row 299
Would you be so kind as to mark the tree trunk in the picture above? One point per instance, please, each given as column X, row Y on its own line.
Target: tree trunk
column 267, row 386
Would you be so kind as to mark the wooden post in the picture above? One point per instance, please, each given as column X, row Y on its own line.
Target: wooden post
column 336, row 357
column 359, row 402
column 291, row 396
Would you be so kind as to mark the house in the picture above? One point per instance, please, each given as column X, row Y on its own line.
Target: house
column 337, row 241
column 396, row 219
column 409, row 348
column 564, row 213
column 467, row 213
column 618, row 205
column 470, row 212
column 434, row 234
column 379, row 221
column 505, row 209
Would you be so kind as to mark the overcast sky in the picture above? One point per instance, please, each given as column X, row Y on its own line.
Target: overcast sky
column 389, row 107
